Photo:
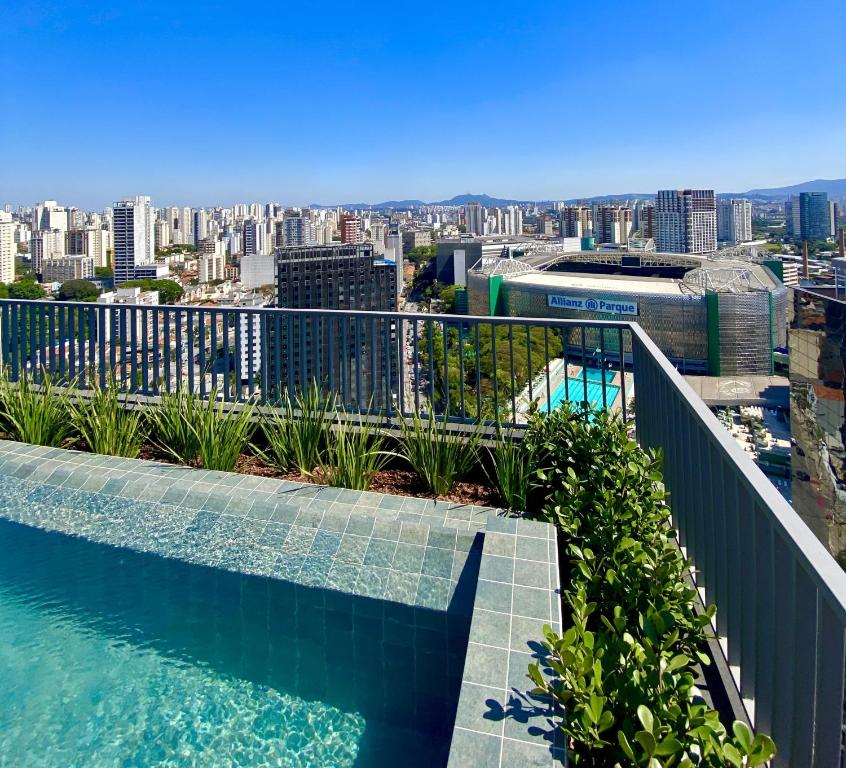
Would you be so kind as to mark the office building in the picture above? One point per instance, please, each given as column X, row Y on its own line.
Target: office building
column 64, row 268
column 734, row 221
column 132, row 226
column 46, row 244
column 344, row 276
column 814, row 216
column 8, row 247
column 350, row 228
column 200, row 225
column 792, row 217
column 474, row 219
column 643, row 219
column 576, row 221
column 686, row 221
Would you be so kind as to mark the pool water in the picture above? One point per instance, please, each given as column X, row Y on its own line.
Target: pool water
column 575, row 388
column 115, row 658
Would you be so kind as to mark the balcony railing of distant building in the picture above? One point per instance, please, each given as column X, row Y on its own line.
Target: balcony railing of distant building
column 781, row 598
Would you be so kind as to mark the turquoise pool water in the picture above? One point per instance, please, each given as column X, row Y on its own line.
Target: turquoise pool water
column 115, row 658
column 575, row 388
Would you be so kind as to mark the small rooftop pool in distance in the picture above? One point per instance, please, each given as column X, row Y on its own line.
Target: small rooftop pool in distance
column 573, row 389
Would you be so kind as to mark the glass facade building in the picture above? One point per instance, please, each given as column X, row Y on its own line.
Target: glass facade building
column 817, row 340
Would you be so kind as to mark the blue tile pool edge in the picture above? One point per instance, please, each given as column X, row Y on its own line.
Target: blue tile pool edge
column 516, row 593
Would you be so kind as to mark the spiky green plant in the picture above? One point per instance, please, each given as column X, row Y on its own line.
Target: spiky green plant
column 355, row 452
column 439, row 456
column 222, row 432
column 36, row 413
column 297, row 431
column 512, row 470
column 170, row 425
column 106, row 423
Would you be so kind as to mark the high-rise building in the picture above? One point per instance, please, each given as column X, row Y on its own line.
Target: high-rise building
column 474, row 219
column 814, row 215
column 643, row 218
column 200, row 225
column 8, row 247
column 512, row 220
column 350, row 228
column 337, row 277
column 686, row 221
column 792, row 217
column 297, row 231
column 575, row 221
column 49, row 215
column 611, row 224
column 46, row 244
column 88, row 241
column 251, row 237
column 132, row 225
column 734, row 221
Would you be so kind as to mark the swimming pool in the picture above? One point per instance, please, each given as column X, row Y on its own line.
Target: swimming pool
column 575, row 388
column 117, row 657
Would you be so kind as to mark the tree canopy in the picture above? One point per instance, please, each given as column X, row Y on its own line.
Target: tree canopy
column 26, row 289
column 78, row 290
column 169, row 290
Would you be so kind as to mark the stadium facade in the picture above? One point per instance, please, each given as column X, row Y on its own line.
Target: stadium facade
column 719, row 317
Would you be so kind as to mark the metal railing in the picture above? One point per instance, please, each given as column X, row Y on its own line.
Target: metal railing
column 466, row 368
column 781, row 597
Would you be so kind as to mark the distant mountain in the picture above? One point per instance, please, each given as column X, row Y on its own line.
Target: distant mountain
column 834, row 188
column 485, row 200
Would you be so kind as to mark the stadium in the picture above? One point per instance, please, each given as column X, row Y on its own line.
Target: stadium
column 709, row 315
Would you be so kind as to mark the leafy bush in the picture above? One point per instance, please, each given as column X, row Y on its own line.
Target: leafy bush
column 222, row 432
column 106, row 423
column 624, row 667
column 437, row 455
column 355, row 452
column 35, row 414
column 296, row 433
column 512, row 465
column 171, row 423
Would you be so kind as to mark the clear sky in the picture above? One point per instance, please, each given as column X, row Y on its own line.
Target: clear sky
column 213, row 103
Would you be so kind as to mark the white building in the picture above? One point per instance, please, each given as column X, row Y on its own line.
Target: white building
column 686, row 221
column 129, row 296
column 297, row 231
column 210, row 267
column 46, row 244
column 8, row 247
column 49, row 215
column 132, row 226
column 88, row 241
column 200, row 225
column 257, row 270
column 734, row 221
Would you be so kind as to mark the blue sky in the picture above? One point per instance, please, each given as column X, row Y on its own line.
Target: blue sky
column 213, row 103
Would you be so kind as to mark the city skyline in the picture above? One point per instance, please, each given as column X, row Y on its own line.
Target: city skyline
column 192, row 109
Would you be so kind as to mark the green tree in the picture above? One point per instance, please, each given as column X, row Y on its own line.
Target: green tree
column 104, row 272
column 169, row 290
column 26, row 289
column 4, row 291
column 78, row 290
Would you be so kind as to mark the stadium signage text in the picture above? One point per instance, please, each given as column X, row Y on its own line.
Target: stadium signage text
column 591, row 304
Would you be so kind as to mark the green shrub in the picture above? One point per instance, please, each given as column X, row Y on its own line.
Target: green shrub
column 625, row 664
column 355, row 452
column 106, row 423
column 36, row 414
column 512, row 467
column 171, row 425
column 222, row 432
column 437, row 455
column 296, row 432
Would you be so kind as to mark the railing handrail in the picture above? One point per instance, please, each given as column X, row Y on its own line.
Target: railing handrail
column 552, row 322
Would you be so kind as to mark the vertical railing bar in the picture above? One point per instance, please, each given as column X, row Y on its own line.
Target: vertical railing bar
column 584, row 369
column 622, row 372
column 62, row 337
column 513, row 376
column 445, row 334
column 239, row 374
column 251, row 365
column 156, row 351
column 166, row 346
column 548, row 374
column 494, row 367
column 103, row 323
column 201, row 349
column 415, row 351
column 529, row 361
column 461, row 368
column 189, row 352
column 602, row 365
column 430, row 332
column 146, row 325
column 264, row 357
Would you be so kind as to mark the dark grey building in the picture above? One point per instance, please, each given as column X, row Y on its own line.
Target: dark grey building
column 817, row 341
column 348, row 355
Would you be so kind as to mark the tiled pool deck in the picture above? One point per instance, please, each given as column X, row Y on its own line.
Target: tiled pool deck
column 417, row 552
